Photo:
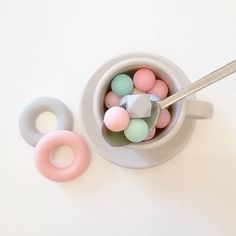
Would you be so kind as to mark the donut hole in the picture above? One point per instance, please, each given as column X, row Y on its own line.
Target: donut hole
column 62, row 156
column 46, row 122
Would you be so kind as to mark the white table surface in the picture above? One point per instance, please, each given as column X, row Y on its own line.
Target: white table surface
column 50, row 48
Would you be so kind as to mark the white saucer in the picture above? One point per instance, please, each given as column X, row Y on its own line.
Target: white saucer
column 124, row 156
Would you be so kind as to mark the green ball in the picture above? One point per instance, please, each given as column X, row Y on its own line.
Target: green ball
column 136, row 131
column 122, row 85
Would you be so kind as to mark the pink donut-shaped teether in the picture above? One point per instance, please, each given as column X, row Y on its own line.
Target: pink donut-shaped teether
column 58, row 138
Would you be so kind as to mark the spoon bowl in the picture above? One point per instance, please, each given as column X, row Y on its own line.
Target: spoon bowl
column 118, row 139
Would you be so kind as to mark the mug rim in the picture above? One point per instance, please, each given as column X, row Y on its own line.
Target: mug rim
column 170, row 69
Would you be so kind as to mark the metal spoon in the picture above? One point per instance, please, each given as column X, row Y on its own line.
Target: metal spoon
column 118, row 139
column 207, row 80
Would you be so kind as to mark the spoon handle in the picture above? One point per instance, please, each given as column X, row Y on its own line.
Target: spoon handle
column 207, row 80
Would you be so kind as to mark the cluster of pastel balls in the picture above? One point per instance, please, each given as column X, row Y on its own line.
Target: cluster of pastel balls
column 117, row 118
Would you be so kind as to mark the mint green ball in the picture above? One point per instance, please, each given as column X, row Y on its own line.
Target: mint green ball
column 122, row 85
column 136, row 131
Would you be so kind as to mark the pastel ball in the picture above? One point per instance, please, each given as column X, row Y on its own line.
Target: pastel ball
column 116, row 119
column 164, row 119
column 136, row 131
column 160, row 89
column 122, row 85
column 144, row 79
column 112, row 100
column 136, row 91
column 151, row 134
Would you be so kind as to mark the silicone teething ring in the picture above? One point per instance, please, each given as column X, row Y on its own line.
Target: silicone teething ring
column 58, row 138
column 33, row 108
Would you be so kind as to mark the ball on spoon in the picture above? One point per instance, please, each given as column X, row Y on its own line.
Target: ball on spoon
column 136, row 131
column 116, row 119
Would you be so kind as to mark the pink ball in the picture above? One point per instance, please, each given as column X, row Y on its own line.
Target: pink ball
column 164, row 119
column 160, row 89
column 151, row 134
column 144, row 79
column 116, row 119
column 112, row 100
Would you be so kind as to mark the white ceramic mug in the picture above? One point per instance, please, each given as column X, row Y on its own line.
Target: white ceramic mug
column 170, row 140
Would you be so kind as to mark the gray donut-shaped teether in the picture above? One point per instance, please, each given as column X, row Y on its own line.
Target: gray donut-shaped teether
column 33, row 108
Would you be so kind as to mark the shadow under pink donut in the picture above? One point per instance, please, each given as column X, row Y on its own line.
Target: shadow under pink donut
column 58, row 138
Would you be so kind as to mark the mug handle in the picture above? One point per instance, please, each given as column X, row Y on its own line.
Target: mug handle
column 199, row 109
